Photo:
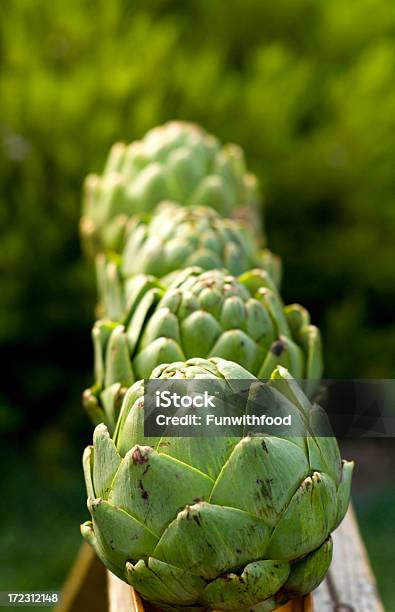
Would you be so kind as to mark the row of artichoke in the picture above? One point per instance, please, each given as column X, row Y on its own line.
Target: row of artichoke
column 187, row 290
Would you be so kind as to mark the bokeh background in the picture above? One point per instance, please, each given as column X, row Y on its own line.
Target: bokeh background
column 308, row 89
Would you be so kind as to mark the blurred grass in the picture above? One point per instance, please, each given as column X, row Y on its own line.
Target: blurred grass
column 376, row 514
column 39, row 522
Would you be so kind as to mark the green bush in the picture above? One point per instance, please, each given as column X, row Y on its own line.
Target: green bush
column 306, row 88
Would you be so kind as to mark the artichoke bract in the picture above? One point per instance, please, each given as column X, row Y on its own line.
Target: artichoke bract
column 198, row 314
column 177, row 161
column 175, row 237
column 218, row 523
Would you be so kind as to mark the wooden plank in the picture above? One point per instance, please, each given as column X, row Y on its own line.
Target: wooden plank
column 350, row 585
column 120, row 596
column 85, row 587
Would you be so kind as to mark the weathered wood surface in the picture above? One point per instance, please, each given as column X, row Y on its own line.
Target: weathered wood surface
column 121, row 597
column 85, row 589
column 350, row 585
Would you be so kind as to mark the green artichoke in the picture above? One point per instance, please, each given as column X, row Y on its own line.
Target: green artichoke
column 195, row 524
column 199, row 314
column 175, row 237
column 177, row 161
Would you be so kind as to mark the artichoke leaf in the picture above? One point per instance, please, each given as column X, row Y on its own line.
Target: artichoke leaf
column 136, row 288
column 257, row 479
column 148, row 188
column 272, row 302
column 236, row 345
column 93, row 539
column 161, row 582
column 284, row 383
column 87, row 465
column 207, row 540
column 106, row 461
column 161, row 350
column 207, row 454
column 257, row 279
column 324, row 453
column 258, row 582
column 137, row 487
column 343, row 492
column 233, row 314
column 111, row 401
column 122, row 536
column 259, row 325
column 163, row 323
column 183, row 172
column 285, row 353
column 117, row 360
column 130, row 425
column 136, row 234
column 199, row 332
column 138, row 318
column 110, row 286
column 308, row 573
column 307, row 521
column 213, row 191
column 101, row 333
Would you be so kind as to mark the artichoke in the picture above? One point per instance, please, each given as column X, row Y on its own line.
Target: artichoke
column 198, row 314
column 177, row 161
column 221, row 523
column 175, row 237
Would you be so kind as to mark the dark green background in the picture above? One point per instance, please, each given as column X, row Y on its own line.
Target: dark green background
column 307, row 88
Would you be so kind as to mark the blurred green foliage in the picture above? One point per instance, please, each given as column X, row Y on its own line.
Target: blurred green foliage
column 375, row 516
column 307, row 88
column 44, row 520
